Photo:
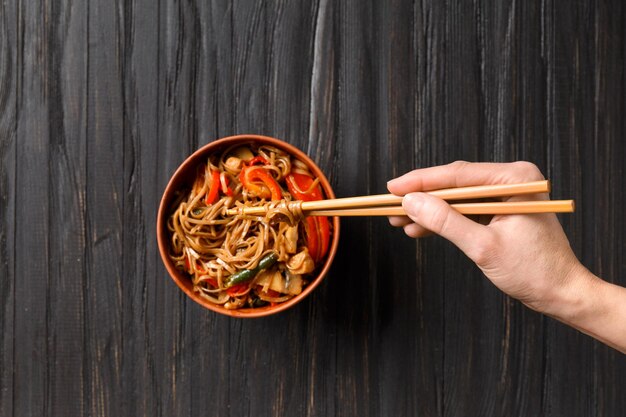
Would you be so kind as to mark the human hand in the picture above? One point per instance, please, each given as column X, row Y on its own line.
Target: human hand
column 527, row 256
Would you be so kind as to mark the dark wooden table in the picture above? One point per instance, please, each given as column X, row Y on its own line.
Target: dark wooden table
column 101, row 100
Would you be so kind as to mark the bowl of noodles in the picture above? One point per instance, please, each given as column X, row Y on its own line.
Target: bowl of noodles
column 233, row 262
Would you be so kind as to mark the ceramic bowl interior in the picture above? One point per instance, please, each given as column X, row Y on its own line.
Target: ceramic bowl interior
column 182, row 179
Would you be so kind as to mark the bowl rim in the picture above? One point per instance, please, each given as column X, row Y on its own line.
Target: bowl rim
column 163, row 239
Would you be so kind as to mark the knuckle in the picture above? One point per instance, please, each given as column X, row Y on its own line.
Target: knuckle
column 458, row 164
column 529, row 170
column 457, row 168
column 484, row 251
column 439, row 219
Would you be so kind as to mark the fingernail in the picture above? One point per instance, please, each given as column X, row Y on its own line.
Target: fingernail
column 412, row 203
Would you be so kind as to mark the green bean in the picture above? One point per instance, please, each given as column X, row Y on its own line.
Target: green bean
column 246, row 275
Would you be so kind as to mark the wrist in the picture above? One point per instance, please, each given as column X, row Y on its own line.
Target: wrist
column 594, row 307
column 576, row 300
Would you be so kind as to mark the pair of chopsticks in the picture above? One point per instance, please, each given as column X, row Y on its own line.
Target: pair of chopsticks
column 391, row 205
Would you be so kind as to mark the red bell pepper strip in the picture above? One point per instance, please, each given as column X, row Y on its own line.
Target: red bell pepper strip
column 257, row 160
column 237, row 289
column 300, row 186
column 269, row 188
column 214, row 188
column 323, row 228
column 317, row 228
column 224, row 183
column 271, row 293
column 214, row 185
column 312, row 237
column 318, row 237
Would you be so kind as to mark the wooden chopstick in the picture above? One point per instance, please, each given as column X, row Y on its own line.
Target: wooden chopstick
column 507, row 207
column 460, row 193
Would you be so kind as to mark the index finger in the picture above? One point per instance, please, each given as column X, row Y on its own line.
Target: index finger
column 464, row 174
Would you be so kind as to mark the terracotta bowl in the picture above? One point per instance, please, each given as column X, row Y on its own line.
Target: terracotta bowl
column 184, row 177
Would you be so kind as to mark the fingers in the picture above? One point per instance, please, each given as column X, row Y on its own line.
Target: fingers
column 463, row 174
column 411, row 229
column 414, row 230
column 433, row 214
column 399, row 221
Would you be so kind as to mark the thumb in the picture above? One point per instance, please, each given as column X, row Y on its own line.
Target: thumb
column 437, row 216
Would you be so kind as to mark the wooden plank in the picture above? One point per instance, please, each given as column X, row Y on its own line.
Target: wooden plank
column 212, row 73
column 494, row 66
column 290, row 36
column 317, row 363
column 8, row 146
column 219, row 30
column 566, row 388
column 249, row 391
column 32, row 213
column 595, row 154
column 179, row 57
column 249, row 67
column 408, row 302
column 427, row 130
column 139, row 68
column 353, row 292
column 195, row 48
column 610, row 233
column 104, row 278
column 67, row 103
column 476, row 316
column 285, row 72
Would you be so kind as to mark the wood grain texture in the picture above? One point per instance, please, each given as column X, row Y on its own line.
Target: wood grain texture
column 66, row 103
column 8, row 145
column 31, row 387
column 100, row 102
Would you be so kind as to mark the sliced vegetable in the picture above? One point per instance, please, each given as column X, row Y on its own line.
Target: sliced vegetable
column 301, row 187
column 323, row 230
column 246, row 275
column 257, row 160
column 233, row 163
column 317, row 228
column 312, row 237
column 294, row 284
column 237, row 289
column 224, row 183
column 214, row 190
column 272, row 293
column 273, row 297
column 268, row 188
column 278, row 283
column 301, row 263
column 291, row 238
column 243, row 152
column 271, row 280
